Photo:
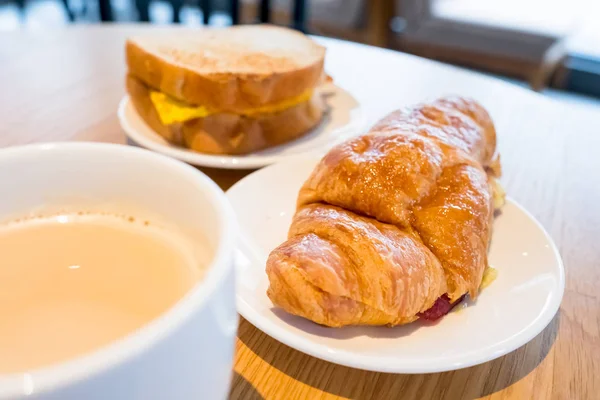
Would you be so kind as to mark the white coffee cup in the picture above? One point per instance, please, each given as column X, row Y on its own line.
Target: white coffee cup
column 187, row 353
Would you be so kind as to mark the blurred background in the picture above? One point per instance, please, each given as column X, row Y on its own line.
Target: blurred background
column 552, row 46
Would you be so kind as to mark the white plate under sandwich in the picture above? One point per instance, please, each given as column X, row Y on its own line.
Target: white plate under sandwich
column 516, row 307
column 343, row 119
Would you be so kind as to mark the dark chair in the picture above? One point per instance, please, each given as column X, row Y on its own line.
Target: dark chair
column 206, row 6
column 298, row 21
column 298, row 13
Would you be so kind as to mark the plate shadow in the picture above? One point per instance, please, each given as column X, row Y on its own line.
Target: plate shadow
column 242, row 389
column 473, row 382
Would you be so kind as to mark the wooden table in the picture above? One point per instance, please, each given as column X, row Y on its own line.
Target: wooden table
column 66, row 84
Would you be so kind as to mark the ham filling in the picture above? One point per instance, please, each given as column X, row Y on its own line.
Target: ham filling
column 441, row 307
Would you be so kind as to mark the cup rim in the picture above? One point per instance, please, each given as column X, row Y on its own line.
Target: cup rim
column 56, row 376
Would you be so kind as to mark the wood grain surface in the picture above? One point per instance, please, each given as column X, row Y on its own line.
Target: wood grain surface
column 65, row 85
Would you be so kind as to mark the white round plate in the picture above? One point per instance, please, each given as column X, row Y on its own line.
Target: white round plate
column 511, row 311
column 343, row 119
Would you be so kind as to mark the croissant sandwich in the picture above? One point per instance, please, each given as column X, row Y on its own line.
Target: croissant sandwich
column 394, row 225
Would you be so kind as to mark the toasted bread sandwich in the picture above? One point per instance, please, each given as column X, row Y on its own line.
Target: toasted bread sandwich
column 227, row 91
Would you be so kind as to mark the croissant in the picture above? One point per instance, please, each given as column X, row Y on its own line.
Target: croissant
column 394, row 223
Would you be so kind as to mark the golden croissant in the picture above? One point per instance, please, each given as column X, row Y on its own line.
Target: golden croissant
column 393, row 225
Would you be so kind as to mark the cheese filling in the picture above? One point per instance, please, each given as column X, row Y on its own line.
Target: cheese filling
column 489, row 275
column 498, row 194
column 171, row 110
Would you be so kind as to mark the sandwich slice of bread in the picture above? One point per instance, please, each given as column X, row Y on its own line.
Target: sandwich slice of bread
column 227, row 91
